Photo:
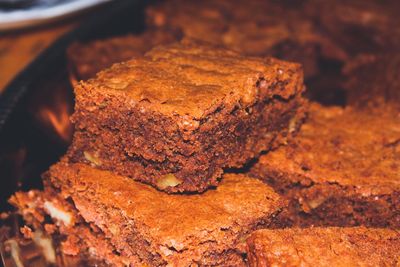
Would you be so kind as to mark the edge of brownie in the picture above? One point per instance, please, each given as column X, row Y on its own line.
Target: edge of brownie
column 159, row 228
column 87, row 59
column 336, row 172
column 181, row 139
column 330, row 246
column 69, row 232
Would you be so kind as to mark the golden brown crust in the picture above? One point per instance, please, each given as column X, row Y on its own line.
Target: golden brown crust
column 191, row 78
column 182, row 228
column 344, row 146
column 324, row 247
column 185, row 110
column 341, row 170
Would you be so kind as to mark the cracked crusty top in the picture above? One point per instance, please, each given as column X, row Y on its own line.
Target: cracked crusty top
column 194, row 79
column 332, row 246
column 175, row 221
column 349, row 147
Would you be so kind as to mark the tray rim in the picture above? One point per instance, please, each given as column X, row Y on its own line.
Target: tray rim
column 20, row 84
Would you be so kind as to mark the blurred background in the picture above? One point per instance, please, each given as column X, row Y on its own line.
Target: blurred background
column 29, row 26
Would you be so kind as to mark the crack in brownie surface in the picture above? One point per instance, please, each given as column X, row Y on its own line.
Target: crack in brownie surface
column 178, row 116
column 342, row 169
column 143, row 223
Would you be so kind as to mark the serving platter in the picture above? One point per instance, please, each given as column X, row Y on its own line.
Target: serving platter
column 35, row 12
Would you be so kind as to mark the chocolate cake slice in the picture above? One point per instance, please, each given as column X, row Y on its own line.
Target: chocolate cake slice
column 342, row 169
column 118, row 220
column 181, row 114
column 332, row 246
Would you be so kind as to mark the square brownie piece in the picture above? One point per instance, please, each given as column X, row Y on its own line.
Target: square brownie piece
column 256, row 28
column 158, row 229
column 181, row 114
column 332, row 246
column 86, row 59
column 342, row 169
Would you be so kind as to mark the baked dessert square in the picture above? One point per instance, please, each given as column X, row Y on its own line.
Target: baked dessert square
column 181, row 114
column 136, row 222
column 342, row 169
column 332, row 246
column 254, row 28
column 372, row 80
column 85, row 59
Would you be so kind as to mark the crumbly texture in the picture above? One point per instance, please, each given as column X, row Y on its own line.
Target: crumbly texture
column 372, row 80
column 160, row 229
column 86, row 59
column 74, row 237
column 332, row 246
column 342, row 169
column 184, row 112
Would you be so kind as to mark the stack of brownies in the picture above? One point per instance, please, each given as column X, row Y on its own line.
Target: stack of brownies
column 201, row 150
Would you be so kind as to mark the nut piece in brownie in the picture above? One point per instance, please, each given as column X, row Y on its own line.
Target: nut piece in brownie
column 176, row 117
column 138, row 222
column 342, row 169
column 373, row 80
column 86, row 59
column 332, row 246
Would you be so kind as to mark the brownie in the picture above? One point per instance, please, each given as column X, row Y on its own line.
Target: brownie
column 294, row 38
column 282, row 29
column 373, row 80
column 203, row 20
column 69, row 232
column 342, row 169
column 181, row 114
column 365, row 26
column 140, row 222
column 88, row 58
column 254, row 28
column 332, row 246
